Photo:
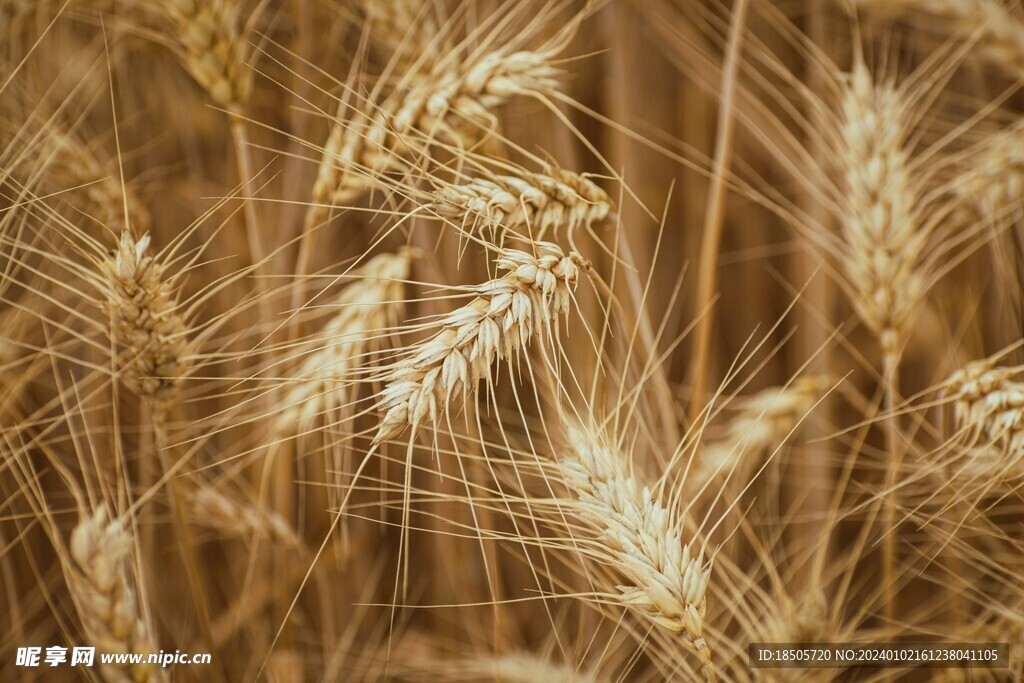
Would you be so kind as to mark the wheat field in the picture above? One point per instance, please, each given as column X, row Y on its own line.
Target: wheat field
column 546, row 340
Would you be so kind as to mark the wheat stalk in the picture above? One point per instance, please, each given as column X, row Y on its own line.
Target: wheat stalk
column 506, row 313
column 527, row 203
column 370, row 304
column 643, row 539
column 99, row 582
column 141, row 302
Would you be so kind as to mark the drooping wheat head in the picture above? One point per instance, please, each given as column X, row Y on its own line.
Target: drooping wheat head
column 498, row 324
column 455, row 104
column 525, row 204
column 100, row 583
column 988, row 407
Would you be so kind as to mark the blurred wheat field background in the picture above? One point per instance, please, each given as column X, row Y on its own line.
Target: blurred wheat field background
column 357, row 340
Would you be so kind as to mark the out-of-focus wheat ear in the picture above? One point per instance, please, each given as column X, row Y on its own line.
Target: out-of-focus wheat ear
column 994, row 179
column 73, row 164
column 763, row 423
column 999, row 621
column 214, row 509
column 997, row 32
column 99, row 581
column 518, row 667
column 366, row 307
column 525, row 204
column 404, row 27
column 989, row 192
column 642, row 540
column 147, row 323
column 804, row 619
column 885, row 243
column 1006, row 625
column 211, row 40
column 498, row 324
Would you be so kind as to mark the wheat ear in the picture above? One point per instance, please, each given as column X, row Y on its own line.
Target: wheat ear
column 404, row 26
column 998, row 33
column 367, row 305
column 881, row 229
column 1007, row 626
column 886, row 247
column 212, row 47
column 529, row 204
column 988, row 406
column 999, row 622
column 506, row 313
column 212, row 508
column 995, row 181
column 454, row 105
column 666, row 582
column 147, row 323
column 99, row 581
column 764, row 421
column 74, row 163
